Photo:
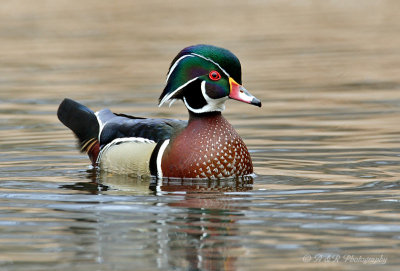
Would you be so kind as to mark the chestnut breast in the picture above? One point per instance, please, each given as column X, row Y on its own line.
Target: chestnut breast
column 208, row 147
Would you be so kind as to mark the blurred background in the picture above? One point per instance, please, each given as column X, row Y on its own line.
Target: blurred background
column 325, row 144
column 122, row 49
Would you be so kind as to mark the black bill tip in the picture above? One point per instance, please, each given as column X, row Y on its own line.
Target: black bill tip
column 256, row 102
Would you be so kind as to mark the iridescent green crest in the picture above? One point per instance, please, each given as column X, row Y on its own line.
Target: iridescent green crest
column 193, row 65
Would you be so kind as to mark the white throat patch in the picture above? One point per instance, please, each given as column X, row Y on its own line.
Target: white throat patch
column 212, row 104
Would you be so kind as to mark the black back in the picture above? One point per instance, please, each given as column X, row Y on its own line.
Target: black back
column 121, row 126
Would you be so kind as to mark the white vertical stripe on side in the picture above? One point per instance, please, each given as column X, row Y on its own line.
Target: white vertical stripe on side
column 159, row 158
column 101, row 124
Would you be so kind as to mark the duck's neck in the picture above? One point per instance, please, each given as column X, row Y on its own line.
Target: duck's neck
column 204, row 116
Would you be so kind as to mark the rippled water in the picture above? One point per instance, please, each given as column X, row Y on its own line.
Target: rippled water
column 325, row 144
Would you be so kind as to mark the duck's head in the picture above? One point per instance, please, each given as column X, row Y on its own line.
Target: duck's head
column 204, row 77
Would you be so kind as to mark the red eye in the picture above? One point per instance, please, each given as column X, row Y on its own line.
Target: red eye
column 214, row 75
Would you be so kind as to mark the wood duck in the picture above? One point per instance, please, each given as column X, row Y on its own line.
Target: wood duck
column 204, row 77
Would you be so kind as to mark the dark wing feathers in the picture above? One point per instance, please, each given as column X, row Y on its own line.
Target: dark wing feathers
column 121, row 126
column 86, row 125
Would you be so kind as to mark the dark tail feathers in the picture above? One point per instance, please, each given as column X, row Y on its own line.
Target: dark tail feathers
column 83, row 122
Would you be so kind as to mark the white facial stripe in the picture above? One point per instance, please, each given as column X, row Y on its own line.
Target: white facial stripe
column 171, row 102
column 176, row 64
column 167, row 97
column 212, row 104
column 212, row 61
column 215, row 104
column 159, row 158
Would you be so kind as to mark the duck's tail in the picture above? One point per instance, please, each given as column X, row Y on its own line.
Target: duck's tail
column 83, row 122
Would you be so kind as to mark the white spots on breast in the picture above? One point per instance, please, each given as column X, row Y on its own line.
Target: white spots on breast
column 218, row 152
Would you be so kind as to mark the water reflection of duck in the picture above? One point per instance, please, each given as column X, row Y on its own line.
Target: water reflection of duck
column 199, row 221
column 208, row 215
column 103, row 181
column 205, row 186
column 206, row 146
